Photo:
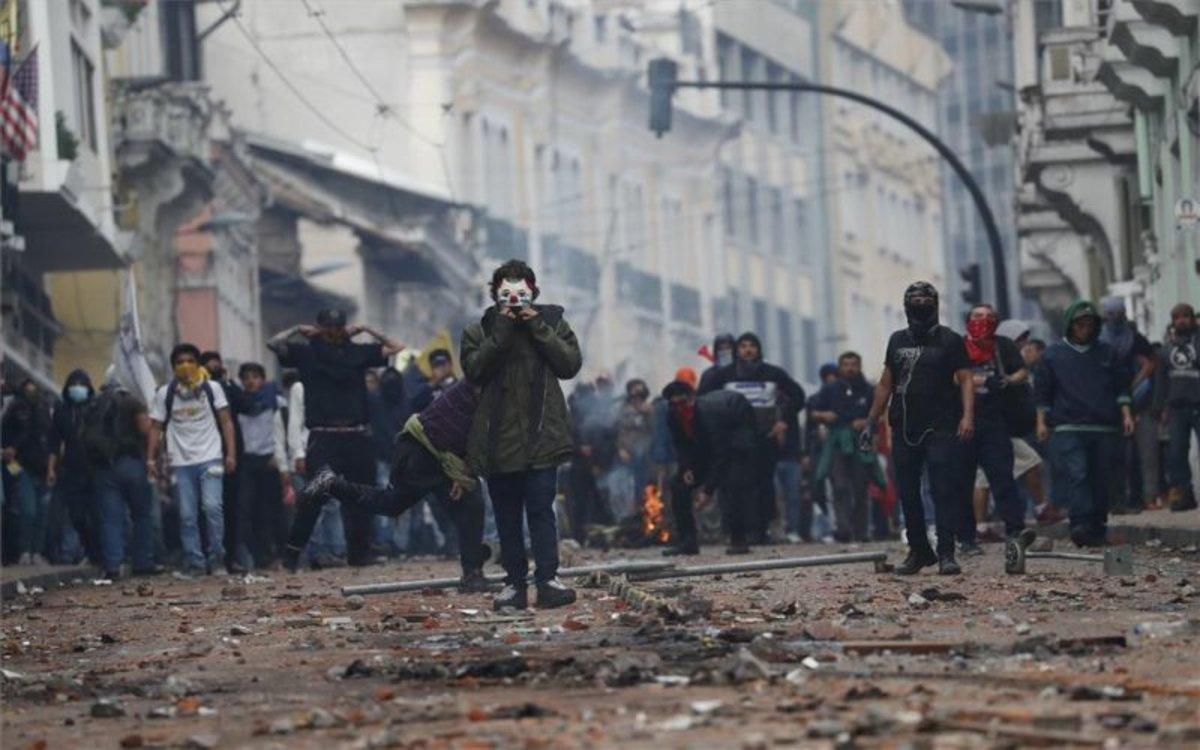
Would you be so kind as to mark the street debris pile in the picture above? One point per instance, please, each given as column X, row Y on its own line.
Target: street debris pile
column 842, row 656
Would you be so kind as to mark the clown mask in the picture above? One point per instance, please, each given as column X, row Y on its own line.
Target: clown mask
column 514, row 294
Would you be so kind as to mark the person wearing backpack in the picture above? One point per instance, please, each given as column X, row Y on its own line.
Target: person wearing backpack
column 113, row 436
column 193, row 414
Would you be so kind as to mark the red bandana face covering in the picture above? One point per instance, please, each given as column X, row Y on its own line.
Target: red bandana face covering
column 687, row 417
column 981, row 339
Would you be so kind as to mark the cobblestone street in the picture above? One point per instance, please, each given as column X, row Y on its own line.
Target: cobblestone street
column 810, row 658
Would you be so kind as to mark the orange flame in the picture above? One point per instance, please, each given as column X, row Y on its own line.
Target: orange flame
column 654, row 520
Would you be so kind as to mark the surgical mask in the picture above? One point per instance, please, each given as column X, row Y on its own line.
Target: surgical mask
column 725, row 357
column 77, row 393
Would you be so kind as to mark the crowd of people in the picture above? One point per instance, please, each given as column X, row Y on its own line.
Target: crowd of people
column 346, row 459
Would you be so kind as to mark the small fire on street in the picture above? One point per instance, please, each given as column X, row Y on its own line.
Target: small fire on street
column 654, row 518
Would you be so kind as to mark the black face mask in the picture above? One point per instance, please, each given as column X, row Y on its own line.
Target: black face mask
column 921, row 318
column 217, row 373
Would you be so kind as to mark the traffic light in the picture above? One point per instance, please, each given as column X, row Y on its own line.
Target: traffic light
column 661, row 75
column 972, row 288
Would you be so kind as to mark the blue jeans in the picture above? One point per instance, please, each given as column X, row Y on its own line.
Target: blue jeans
column 528, row 494
column 32, row 502
column 1083, row 463
column 787, row 481
column 200, row 487
column 125, row 484
column 1184, row 421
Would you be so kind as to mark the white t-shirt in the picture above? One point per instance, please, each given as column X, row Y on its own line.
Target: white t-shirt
column 193, row 436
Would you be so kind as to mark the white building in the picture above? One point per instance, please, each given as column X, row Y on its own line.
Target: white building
column 884, row 194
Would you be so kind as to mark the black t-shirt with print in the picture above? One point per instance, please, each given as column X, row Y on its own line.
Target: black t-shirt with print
column 924, row 394
column 988, row 403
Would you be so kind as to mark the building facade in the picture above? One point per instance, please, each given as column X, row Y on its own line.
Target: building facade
column 976, row 112
column 884, row 191
column 58, row 208
column 1107, row 150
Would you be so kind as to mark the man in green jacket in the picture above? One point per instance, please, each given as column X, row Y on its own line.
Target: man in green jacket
column 517, row 353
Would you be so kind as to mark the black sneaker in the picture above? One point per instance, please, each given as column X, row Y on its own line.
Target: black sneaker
column 1187, row 501
column 485, row 552
column 1082, row 536
column 683, row 549
column 738, row 549
column 553, row 594
column 947, row 566
column 511, row 598
column 970, row 549
column 318, row 487
column 916, row 560
column 153, row 570
column 1124, row 510
column 473, row 582
column 290, row 559
column 112, row 575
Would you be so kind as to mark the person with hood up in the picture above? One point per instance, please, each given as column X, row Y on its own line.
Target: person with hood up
column 1083, row 407
column 517, row 353
column 24, row 435
column 927, row 388
column 1177, row 398
column 67, row 472
column 996, row 364
column 715, row 437
column 723, row 353
column 777, row 400
column 1137, row 477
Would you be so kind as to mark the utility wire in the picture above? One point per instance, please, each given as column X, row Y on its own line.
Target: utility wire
column 287, row 82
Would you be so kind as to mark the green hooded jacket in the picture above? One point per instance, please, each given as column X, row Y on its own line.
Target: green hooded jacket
column 522, row 422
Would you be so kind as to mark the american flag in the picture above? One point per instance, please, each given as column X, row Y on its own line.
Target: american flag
column 18, row 104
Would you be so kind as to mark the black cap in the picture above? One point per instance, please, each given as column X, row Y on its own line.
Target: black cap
column 330, row 318
column 439, row 357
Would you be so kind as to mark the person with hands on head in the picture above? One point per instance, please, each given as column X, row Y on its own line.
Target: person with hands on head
column 517, row 353
column 193, row 414
column 927, row 389
column 1083, row 407
column 332, row 368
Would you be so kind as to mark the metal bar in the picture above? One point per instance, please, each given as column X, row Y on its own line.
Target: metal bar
column 1066, row 556
column 628, row 566
column 748, row 566
column 642, row 570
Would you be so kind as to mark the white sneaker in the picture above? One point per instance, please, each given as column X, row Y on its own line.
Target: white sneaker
column 794, row 538
column 39, row 560
column 220, row 571
column 25, row 559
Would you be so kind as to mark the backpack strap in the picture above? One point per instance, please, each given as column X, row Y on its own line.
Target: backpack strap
column 205, row 386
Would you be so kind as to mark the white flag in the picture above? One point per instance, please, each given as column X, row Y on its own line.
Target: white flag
column 130, row 367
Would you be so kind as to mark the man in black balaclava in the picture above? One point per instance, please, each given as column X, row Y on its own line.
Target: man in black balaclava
column 722, row 351
column 776, row 399
column 929, row 386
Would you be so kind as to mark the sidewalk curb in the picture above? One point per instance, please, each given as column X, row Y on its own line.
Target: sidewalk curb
column 1119, row 533
column 57, row 578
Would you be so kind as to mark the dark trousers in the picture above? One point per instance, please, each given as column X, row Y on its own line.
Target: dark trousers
column 1084, row 463
column 78, row 498
column 1184, row 421
column 526, row 495
column 261, row 526
column 765, row 460
column 415, row 473
column 584, row 502
column 991, row 449
column 739, row 493
column 683, row 509
column 941, row 453
column 850, row 477
column 350, row 455
column 230, row 499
